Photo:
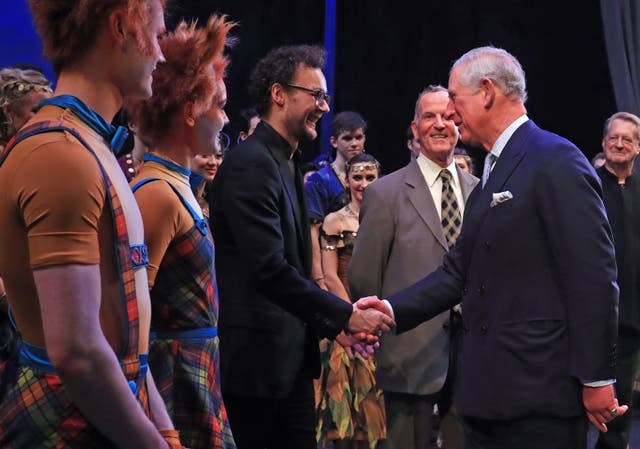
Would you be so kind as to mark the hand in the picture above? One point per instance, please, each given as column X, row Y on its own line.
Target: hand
column 374, row 302
column 370, row 320
column 601, row 405
column 349, row 343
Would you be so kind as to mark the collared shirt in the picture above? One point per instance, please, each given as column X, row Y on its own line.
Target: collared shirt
column 501, row 142
column 431, row 171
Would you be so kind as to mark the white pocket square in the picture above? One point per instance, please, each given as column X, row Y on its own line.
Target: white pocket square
column 500, row 197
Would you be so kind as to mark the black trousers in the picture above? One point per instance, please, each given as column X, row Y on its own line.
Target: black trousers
column 627, row 362
column 289, row 423
column 528, row 433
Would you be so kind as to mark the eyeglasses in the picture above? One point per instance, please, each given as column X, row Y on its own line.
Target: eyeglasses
column 318, row 94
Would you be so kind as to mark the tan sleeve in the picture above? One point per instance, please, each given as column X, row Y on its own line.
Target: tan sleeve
column 161, row 211
column 60, row 194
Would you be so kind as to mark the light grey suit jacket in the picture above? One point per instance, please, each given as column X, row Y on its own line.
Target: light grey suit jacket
column 400, row 240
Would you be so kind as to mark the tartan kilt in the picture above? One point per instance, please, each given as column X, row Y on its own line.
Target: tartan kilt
column 186, row 372
column 36, row 412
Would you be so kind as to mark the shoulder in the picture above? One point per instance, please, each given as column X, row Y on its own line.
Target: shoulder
column 390, row 183
column 157, row 195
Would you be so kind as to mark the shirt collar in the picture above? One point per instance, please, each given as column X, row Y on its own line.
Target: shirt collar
column 430, row 170
column 499, row 145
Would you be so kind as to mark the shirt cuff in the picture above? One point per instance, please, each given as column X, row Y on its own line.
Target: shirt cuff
column 388, row 304
column 598, row 383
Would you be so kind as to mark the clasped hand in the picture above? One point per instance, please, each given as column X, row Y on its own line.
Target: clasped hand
column 601, row 405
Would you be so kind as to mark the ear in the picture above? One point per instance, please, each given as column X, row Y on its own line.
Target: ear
column 414, row 130
column 116, row 24
column 6, row 110
column 242, row 135
column 188, row 114
column 333, row 142
column 489, row 92
column 603, row 145
column 278, row 94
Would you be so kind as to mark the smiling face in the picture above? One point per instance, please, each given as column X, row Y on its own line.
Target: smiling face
column 621, row 145
column 434, row 129
column 301, row 114
column 209, row 124
column 359, row 177
column 206, row 165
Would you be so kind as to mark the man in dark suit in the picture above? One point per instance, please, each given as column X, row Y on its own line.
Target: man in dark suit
column 271, row 313
column 400, row 238
column 621, row 195
column 536, row 269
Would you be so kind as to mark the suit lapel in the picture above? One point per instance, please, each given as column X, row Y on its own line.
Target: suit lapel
column 288, row 182
column 421, row 199
column 510, row 158
column 466, row 184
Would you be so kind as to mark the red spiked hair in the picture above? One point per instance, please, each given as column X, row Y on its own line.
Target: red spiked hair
column 68, row 28
column 185, row 76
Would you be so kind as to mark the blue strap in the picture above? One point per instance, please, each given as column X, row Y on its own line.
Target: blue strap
column 200, row 333
column 36, row 358
column 115, row 137
column 201, row 222
column 168, row 164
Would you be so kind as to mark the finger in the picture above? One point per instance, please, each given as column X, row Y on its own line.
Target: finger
column 367, row 302
column 599, row 425
column 622, row 409
column 360, row 349
column 349, row 352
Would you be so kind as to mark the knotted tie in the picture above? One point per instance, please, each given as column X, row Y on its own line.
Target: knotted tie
column 488, row 166
column 451, row 217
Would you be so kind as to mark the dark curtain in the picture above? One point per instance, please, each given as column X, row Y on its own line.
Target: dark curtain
column 621, row 26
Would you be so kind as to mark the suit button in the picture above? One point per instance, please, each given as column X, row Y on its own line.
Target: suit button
column 483, row 328
column 487, row 244
column 482, row 289
column 465, row 290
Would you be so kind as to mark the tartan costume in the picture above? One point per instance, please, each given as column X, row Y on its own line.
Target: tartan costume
column 183, row 354
column 35, row 410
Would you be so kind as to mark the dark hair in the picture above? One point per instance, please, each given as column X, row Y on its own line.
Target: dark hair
column 457, row 151
column 362, row 158
column 279, row 66
column 347, row 121
column 245, row 117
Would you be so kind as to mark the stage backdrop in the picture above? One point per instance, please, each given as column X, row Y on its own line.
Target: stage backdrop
column 387, row 51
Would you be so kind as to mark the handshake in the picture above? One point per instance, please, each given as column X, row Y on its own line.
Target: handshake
column 369, row 320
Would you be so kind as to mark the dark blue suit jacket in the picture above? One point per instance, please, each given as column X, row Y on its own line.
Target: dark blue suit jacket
column 270, row 312
column 537, row 275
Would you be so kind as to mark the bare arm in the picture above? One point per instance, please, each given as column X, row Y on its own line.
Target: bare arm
column 317, row 273
column 70, row 303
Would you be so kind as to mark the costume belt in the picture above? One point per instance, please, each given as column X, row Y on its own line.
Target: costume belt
column 36, row 358
column 191, row 334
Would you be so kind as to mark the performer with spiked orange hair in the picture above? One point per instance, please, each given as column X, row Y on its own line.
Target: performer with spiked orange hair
column 183, row 118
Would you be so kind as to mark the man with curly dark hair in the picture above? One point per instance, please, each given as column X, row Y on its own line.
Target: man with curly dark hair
column 72, row 251
column 271, row 313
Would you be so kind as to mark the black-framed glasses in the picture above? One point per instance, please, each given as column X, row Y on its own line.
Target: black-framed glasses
column 318, row 94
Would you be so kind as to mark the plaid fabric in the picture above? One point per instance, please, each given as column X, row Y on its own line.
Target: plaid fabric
column 187, row 371
column 35, row 410
column 451, row 217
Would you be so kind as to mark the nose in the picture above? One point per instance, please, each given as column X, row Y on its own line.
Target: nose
column 439, row 122
column 451, row 113
column 324, row 106
column 225, row 117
